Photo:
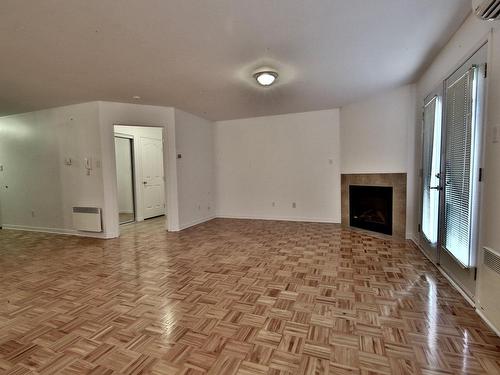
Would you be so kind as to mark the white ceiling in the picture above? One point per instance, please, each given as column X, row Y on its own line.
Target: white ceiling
column 198, row 55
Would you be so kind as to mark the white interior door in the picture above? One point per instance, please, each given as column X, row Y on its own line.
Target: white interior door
column 153, row 183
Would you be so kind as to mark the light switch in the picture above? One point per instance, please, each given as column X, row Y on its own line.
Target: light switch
column 88, row 163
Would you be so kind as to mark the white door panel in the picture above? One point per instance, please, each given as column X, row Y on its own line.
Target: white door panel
column 152, row 172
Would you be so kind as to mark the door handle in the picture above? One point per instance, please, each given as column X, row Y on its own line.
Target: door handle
column 436, row 187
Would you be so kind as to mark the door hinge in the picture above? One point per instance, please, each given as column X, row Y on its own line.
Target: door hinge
column 480, row 174
column 419, row 228
column 475, row 273
column 485, row 70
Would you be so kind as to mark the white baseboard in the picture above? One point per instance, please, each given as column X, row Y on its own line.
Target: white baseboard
column 71, row 232
column 39, row 229
column 409, row 236
column 281, row 218
column 196, row 222
column 488, row 322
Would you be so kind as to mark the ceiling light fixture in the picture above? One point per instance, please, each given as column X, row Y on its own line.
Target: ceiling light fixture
column 265, row 76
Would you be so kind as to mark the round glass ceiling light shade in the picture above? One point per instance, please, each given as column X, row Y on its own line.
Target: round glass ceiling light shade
column 266, row 77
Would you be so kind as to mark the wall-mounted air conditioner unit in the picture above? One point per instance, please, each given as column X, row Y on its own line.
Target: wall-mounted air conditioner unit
column 486, row 9
column 489, row 286
column 87, row 219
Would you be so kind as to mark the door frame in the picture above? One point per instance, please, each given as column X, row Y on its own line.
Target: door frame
column 132, row 166
column 166, row 170
column 485, row 40
column 466, row 276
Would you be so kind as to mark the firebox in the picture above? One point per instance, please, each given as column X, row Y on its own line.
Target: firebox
column 370, row 207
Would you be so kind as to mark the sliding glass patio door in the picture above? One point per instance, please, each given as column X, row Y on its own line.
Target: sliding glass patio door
column 452, row 139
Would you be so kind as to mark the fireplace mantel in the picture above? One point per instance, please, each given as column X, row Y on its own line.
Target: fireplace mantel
column 395, row 180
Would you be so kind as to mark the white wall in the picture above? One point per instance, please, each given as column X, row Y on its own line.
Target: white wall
column 41, row 189
column 33, row 147
column 136, row 132
column 377, row 136
column 374, row 132
column 194, row 139
column 111, row 114
column 281, row 159
column 465, row 41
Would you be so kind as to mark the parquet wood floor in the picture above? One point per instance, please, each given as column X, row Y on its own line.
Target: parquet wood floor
column 232, row 297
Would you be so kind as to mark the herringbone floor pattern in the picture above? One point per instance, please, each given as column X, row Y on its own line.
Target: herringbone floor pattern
column 232, row 297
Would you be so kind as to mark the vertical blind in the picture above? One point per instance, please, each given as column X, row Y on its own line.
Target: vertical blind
column 458, row 167
column 431, row 167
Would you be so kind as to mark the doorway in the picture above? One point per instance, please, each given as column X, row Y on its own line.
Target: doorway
column 451, row 171
column 142, row 168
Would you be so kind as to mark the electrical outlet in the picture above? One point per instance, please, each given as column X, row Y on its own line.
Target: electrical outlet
column 294, row 205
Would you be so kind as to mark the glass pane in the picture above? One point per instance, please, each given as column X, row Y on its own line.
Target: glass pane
column 431, row 167
column 458, row 198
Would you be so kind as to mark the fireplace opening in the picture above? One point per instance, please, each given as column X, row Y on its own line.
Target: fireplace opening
column 370, row 207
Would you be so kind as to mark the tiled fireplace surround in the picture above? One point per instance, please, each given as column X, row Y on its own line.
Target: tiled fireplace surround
column 398, row 183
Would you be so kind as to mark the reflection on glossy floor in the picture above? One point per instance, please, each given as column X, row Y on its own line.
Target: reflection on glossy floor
column 125, row 217
column 232, row 297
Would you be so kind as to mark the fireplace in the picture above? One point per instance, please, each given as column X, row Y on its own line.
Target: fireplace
column 370, row 207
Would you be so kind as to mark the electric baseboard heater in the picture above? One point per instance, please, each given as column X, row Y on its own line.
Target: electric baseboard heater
column 489, row 280
column 87, row 219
